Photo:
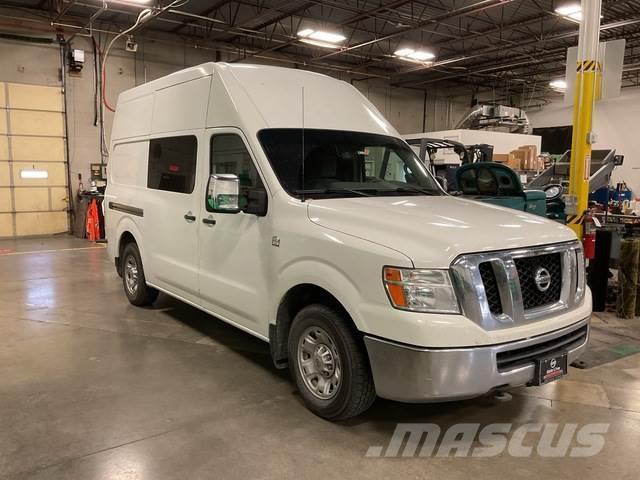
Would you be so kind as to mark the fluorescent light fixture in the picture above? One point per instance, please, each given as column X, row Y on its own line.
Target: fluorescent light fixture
column 572, row 11
column 422, row 56
column 558, row 85
column 403, row 52
column 321, row 38
column 31, row 174
column 327, row 37
column 414, row 55
column 136, row 1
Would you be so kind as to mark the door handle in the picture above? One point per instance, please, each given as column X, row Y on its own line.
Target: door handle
column 189, row 217
column 209, row 221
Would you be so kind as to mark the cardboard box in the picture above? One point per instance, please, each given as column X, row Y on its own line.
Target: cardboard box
column 513, row 161
column 530, row 161
column 501, row 157
column 518, row 159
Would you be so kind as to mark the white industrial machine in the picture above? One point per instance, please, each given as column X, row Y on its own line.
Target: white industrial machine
column 502, row 142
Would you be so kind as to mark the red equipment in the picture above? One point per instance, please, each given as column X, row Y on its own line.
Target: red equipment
column 93, row 221
column 589, row 236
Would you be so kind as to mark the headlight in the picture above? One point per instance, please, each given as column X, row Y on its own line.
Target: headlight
column 580, row 287
column 420, row 290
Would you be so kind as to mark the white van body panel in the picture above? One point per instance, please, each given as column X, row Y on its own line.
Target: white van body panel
column 452, row 226
column 187, row 106
column 133, row 119
column 276, row 97
column 241, row 268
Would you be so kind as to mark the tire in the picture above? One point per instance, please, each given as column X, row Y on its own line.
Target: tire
column 323, row 344
column 133, row 279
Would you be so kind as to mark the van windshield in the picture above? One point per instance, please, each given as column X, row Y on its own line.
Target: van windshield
column 344, row 164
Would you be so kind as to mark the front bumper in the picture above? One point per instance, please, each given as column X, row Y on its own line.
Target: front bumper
column 413, row 374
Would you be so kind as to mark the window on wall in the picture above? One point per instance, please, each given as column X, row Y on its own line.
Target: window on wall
column 172, row 164
column 33, row 173
column 230, row 155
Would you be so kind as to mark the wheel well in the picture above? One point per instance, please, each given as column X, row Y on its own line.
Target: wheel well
column 293, row 301
column 125, row 239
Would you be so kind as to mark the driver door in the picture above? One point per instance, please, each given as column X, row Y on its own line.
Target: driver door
column 234, row 247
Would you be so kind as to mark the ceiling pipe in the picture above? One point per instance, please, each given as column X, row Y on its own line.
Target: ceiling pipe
column 92, row 19
column 64, row 10
column 211, row 8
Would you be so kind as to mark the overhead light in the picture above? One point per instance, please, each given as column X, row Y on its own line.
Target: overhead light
column 136, row 1
column 572, row 11
column 321, row 38
column 414, row 55
column 34, row 174
column 403, row 52
column 558, row 85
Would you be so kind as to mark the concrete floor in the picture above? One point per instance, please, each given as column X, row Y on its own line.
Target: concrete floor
column 93, row 388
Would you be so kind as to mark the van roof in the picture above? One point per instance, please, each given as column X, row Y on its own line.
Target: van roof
column 200, row 71
column 174, row 78
column 248, row 96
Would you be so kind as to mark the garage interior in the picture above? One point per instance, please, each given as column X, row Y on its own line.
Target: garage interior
column 94, row 387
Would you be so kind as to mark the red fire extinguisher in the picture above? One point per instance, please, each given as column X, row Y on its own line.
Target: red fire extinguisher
column 589, row 236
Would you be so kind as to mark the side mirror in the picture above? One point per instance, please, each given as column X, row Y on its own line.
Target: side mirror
column 443, row 183
column 223, row 193
column 256, row 203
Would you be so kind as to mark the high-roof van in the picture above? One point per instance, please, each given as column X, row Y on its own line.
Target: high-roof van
column 282, row 202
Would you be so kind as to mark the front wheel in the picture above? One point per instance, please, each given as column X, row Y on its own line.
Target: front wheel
column 133, row 279
column 329, row 364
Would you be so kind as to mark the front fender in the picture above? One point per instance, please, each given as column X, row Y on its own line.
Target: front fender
column 323, row 274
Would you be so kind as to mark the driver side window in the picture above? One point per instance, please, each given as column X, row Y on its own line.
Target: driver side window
column 230, row 155
column 395, row 171
column 385, row 164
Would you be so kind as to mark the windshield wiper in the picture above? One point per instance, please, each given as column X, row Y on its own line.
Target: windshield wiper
column 329, row 191
column 414, row 190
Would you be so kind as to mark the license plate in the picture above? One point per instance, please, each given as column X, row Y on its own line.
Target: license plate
column 551, row 368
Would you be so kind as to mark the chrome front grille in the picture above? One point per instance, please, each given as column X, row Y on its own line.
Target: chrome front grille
column 499, row 290
column 490, row 287
column 527, row 267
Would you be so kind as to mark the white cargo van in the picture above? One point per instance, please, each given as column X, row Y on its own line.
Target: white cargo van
column 282, row 202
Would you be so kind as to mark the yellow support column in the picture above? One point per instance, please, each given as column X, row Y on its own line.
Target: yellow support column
column 587, row 87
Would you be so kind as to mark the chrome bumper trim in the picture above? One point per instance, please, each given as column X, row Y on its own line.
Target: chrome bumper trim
column 413, row 374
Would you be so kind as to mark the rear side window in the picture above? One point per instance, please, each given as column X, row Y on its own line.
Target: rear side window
column 172, row 164
column 128, row 163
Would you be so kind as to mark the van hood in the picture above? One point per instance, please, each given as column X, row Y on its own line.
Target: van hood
column 433, row 231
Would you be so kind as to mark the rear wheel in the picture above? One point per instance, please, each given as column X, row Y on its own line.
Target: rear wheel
column 133, row 279
column 329, row 364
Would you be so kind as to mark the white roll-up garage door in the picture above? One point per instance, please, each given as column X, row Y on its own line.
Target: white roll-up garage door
column 33, row 175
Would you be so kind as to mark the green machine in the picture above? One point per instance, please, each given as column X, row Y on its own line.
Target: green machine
column 498, row 184
column 480, row 179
